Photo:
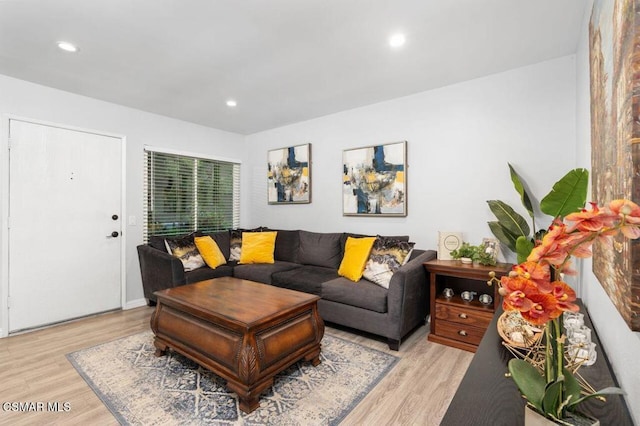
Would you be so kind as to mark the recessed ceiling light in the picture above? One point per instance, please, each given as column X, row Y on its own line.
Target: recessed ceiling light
column 231, row 103
column 397, row 40
column 67, row 47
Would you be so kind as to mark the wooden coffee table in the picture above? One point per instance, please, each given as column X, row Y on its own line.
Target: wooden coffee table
column 243, row 331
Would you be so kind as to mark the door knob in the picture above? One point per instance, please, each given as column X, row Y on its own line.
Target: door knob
column 114, row 234
column 114, row 217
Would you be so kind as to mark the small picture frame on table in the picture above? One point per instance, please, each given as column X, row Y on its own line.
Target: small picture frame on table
column 492, row 246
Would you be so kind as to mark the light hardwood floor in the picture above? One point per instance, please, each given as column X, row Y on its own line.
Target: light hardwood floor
column 33, row 368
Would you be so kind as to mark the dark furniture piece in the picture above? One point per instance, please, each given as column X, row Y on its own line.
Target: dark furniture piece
column 455, row 322
column 308, row 262
column 486, row 397
column 243, row 331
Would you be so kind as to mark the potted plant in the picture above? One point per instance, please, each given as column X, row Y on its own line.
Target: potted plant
column 466, row 253
column 535, row 287
column 485, row 257
column 568, row 195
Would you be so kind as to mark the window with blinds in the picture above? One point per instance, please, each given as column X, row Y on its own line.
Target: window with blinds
column 183, row 194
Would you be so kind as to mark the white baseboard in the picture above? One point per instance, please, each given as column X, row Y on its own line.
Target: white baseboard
column 135, row 304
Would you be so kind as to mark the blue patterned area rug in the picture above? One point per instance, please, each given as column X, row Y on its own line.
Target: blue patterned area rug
column 142, row 389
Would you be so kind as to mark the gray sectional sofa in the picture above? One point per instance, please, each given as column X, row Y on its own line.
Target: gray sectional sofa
column 309, row 261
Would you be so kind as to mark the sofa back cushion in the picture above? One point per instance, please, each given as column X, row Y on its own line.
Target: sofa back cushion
column 352, row 235
column 222, row 240
column 287, row 245
column 320, row 249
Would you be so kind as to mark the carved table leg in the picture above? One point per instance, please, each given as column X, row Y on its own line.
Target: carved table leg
column 249, row 397
column 314, row 357
column 161, row 348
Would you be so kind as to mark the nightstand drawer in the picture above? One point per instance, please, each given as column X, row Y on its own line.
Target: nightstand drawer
column 461, row 332
column 462, row 315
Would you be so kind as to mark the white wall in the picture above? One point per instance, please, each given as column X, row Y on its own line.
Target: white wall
column 30, row 100
column 459, row 140
column 621, row 344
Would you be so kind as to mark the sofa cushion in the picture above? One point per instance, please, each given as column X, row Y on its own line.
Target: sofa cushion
column 222, row 240
column 387, row 256
column 320, row 249
column 349, row 234
column 206, row 273
column 356, row 253
column 287, row 245
column 262, row 272
column 306, row 278
column 363, row 294
column 184, row 248
column 257, row 247
column 210, row 251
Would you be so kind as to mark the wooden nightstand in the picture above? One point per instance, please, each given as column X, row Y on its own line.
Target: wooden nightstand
column 455, row 322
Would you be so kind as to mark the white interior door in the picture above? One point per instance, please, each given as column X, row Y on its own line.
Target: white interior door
column 64, row 193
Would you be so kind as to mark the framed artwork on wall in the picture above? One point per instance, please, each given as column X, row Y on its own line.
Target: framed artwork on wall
column 289, row 175
column 614, row 34
column 374, row 180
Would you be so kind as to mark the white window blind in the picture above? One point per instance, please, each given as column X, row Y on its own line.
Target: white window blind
column 184, row 193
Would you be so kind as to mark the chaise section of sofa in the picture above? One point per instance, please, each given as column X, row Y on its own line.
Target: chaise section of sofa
column 309, row 262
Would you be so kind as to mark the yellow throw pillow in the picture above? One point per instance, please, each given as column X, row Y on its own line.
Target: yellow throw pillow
column 258, row 247
column 210, row 251
column 356, row 254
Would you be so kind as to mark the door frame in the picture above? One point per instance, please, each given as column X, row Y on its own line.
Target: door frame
column 4, row 210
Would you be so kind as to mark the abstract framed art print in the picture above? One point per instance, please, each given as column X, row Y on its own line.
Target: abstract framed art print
column 374, row 180
column 289, row 175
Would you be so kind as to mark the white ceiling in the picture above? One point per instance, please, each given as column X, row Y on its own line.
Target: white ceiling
column 284, row 61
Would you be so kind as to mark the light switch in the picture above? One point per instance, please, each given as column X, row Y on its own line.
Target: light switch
column 132, row 221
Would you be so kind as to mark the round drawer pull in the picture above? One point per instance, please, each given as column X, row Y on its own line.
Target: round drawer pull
column 463, row 316
column 462, row 333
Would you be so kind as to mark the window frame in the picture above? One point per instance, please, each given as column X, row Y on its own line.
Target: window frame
column 148, row 189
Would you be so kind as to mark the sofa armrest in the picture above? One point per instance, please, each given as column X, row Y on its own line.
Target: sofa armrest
column 408, row 297
column 159, row 270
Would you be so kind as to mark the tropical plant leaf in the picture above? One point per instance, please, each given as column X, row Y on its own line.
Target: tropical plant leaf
column 568, row 195
column 509, row 218
column 529, row 381
column 503, row 235
column 602, row 392
column 524, row 196
column 551, row 399
column 524, row 245
column 571, row 387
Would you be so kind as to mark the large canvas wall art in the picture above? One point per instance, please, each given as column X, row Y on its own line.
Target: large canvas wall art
column 374, row 180
column 289, row 175
column 614, row 35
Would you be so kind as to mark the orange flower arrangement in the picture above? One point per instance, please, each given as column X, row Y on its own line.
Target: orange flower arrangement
column 535, row 288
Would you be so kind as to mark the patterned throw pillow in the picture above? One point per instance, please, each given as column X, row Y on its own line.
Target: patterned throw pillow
column 235, row 244
column 387, row 256
column 184, row 248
